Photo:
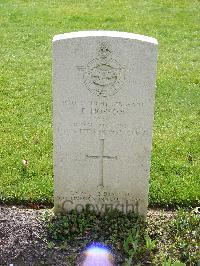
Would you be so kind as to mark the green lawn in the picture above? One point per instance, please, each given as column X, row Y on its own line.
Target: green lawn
column 26, row 30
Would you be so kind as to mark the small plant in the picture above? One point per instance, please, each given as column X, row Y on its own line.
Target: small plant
column 150, row 244
column 131, row 244
column 168, row 262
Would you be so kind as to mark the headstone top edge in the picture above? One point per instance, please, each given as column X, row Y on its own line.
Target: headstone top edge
column 101, row 33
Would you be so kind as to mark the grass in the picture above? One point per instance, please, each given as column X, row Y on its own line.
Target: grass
column 26, row 31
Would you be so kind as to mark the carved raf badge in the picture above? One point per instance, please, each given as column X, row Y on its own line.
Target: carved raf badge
column 103, row 75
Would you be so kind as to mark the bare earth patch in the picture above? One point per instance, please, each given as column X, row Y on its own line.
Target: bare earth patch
column 23, row 239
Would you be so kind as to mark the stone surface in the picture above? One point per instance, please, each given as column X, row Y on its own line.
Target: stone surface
column 103, row 86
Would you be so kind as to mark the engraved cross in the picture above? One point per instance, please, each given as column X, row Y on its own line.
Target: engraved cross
column 101, row 158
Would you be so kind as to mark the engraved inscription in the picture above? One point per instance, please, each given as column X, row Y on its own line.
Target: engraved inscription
column 103, row 107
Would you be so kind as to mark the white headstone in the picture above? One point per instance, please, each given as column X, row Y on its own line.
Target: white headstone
column 104, row 87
